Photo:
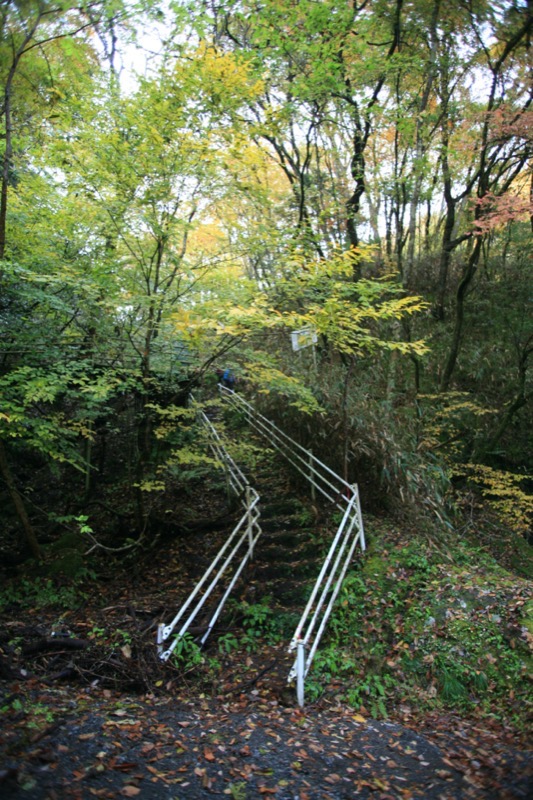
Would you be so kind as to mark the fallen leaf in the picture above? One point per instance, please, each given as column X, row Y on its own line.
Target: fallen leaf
column 208, row 754
column 449, row 763
column 130, row 791
column 155, row 771
column 443, row 773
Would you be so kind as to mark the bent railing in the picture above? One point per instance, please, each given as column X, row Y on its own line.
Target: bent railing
column 243, row 537
column 350, row 532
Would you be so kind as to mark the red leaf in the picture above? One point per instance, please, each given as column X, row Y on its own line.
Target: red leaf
column 208, row 754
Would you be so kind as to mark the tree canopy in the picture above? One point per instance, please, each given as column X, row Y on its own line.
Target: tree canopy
column 359, row 169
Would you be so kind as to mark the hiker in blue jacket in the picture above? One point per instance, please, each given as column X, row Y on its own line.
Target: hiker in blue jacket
column 228, row 379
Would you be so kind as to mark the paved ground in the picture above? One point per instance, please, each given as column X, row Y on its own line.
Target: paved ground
column 97, row 744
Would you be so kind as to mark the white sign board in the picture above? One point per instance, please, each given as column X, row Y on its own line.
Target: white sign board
column 303, row 338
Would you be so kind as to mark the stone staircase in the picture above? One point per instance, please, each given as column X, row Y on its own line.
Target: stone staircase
column 287, row 560
column 289, row 555
column 294, row 542
column 271, row 594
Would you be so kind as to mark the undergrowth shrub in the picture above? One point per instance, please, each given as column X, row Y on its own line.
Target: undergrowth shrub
column 503, row 492
column 45, row 592
column 412, row 628
column 187, row 654
column 377, row 442
column 257, row 620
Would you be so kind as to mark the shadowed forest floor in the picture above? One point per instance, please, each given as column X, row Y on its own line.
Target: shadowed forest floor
column 96, row 743
column 88, row 710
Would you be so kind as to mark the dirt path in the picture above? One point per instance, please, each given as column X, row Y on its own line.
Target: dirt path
column 96, row 744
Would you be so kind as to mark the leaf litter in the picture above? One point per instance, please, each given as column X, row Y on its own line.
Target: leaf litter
column 196, row 748
column 247, row 741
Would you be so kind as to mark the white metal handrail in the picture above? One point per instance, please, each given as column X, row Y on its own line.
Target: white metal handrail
column 346, row 497
column 322, row 477
column 247, row 530
column 236, row 477
column 324, row 594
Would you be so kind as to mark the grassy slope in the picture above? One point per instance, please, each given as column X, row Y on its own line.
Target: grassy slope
column 416, row 630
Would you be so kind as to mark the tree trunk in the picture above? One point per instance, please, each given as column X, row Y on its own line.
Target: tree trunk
column 88, row 463
column 421, row 147
column 357, row 169
column 345, row 424
column 445, row 256
column 466, row 280
column 8, row 150
column 31, row 538
column 519, row 401
column 8, row 153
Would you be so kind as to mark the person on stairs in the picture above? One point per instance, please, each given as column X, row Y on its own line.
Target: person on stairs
column 228, row 379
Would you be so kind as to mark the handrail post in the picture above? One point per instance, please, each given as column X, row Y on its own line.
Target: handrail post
column 300, row 672
column 311, row 481
column 250, row 520
column 360, row 518
column 160, row 629
column 228, row 483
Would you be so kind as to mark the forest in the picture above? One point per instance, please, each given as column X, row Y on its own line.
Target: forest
column 183, row 186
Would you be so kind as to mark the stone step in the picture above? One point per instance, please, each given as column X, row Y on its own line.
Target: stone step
column 274, row 550
column 282, row 537
column 279, row 528
column 279, row 508
column 288, row 594
column 304, row 568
